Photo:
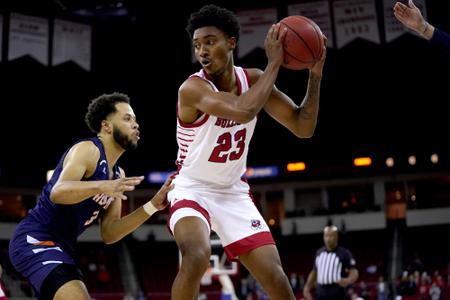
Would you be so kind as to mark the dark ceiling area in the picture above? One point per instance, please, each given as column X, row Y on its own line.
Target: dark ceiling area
column 386, row 99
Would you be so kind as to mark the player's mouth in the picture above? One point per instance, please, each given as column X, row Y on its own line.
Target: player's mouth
column 206, row 63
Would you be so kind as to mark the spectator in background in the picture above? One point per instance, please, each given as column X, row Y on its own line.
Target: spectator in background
column 435, row 291
column 381, row 289
column 2, row 289
column 334, row 269
column 293, row 279
column 410, row 16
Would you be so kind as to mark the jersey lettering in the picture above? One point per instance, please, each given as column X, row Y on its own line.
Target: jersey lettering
column 225, row 143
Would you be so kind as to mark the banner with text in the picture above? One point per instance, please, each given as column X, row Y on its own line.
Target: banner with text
column 319, row 12
column 72, row 42
column 28, row 35
column 355, row 19
column 393, row 27
column 254, row 27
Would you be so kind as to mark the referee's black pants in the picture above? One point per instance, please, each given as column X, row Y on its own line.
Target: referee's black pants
column 329, row 292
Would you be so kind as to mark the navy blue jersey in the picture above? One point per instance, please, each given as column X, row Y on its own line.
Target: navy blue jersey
column 441, row 40
column 46, row 238
column 66, row 222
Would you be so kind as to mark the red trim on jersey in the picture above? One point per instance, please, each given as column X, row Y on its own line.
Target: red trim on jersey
column 187, row 129
column 182, row 133
column 248, row 78
column 249, row 243
column 199, row 122
column 190, row 204
column 184, row 140
column 249, row 81
column 238, row 84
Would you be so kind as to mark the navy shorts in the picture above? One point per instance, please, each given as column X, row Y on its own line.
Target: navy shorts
column 35, row 254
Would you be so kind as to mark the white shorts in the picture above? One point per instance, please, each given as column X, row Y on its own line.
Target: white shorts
column 230, row 212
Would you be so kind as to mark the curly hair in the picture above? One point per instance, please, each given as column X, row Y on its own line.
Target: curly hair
column 101, row 107
column 212, row 15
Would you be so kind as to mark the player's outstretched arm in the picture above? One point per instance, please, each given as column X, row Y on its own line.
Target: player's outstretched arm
column 411, row 17
column 114, row 227
column 310, row 282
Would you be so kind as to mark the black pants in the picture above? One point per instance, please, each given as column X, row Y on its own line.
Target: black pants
column 330, row 292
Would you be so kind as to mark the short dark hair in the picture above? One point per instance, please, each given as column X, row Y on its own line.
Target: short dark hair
column 212, row 15
column 101, row 107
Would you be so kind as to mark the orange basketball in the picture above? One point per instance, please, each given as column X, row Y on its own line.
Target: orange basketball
column 303, row 43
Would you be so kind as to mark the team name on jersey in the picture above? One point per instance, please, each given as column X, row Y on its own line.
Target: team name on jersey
column 103, row 200
column 225, row 123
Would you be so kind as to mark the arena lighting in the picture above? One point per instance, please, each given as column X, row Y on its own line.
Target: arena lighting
column 434, row 158
column 362, row 161
column 49, row 174
column 158, row 177
column 389, row 162
column 412, row 160
column 262, row 172
column 295, row 167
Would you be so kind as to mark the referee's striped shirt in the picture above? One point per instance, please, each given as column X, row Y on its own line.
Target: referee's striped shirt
column 333, row 265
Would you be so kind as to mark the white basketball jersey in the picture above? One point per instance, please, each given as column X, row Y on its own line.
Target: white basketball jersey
column 214, row 150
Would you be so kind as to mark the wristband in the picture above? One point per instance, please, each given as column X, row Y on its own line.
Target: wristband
column 149, row 208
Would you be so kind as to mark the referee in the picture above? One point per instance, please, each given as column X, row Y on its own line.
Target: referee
column 334, row 269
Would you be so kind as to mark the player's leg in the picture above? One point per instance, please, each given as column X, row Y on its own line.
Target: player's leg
column 44, row 263
column 265, row 265
column 192, row 237
column 72, row 290
column 64, row 282
column 245, row 235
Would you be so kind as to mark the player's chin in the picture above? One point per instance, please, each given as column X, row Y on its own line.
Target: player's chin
column 134, row 143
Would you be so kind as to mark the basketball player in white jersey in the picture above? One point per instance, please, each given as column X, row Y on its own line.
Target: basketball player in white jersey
column 217, row 110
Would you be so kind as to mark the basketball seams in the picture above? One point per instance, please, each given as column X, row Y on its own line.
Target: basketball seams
column 303, row 41
column 318, row 35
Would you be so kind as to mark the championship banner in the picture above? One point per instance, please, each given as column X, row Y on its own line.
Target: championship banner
column 393, row 27
column 319, row 12
column 254, row 27
column 355, row 19
column 72, row 42
column 28, row 36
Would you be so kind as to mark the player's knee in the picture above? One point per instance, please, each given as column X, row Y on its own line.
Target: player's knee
column 277, row 278
column 195, row 255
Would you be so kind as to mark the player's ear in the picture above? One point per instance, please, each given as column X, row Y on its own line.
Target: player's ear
column 232, row 43
column 107, row 126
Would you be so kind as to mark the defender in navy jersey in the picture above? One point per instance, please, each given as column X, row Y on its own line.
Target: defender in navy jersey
column 334, row 269
column 411, row 17
column 217, row 109
column 87, row 184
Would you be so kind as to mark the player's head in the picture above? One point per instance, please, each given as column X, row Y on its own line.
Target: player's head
column 214, row 32
column 330, row 237
column 112, row 114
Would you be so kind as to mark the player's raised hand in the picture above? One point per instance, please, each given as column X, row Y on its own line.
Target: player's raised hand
column 274, row 44
column 410, row 16
column 116, row 188
column 318, row 65
column 159, row 201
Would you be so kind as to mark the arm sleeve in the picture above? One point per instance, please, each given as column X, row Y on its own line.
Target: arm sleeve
column 441, row 40
column 348, row 260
